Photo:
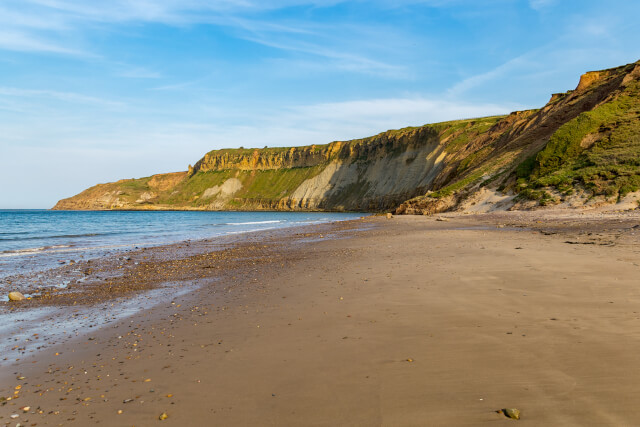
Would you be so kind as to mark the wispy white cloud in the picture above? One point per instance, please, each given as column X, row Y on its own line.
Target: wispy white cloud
column 581, row 39
column 176, row 86
column 316, row 123
column 358, row 118
column 340, row 59
column 138, row 73
column 11, row 107
column 18, row 17
column 501, row 70
column 45, row 25
column 232, row 126
column 68, row 97
column 24, row 42
column 161, row 11
column 169, row 11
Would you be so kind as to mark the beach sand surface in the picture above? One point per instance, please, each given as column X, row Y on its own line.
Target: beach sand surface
column 409, row 321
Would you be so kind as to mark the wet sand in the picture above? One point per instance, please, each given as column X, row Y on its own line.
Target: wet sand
column 401, row 322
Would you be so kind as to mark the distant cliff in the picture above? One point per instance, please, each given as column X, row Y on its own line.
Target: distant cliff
column 584, row 145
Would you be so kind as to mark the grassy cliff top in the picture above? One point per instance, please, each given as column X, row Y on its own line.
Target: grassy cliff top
column 449, row 126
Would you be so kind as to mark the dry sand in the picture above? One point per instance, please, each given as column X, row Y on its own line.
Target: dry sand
column 413, row 322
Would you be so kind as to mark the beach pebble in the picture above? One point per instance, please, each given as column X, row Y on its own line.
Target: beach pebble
column 163, row 416
column 16, row 296
column 512, row 413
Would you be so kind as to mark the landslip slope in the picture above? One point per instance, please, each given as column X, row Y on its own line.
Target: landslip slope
column 582, row 147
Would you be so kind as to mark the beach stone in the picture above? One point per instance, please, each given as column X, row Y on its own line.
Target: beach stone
column 389, row 215
column 442, row 219
column 16, row 296
column 512, row 413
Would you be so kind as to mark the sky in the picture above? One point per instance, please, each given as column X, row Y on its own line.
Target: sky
column 96, row 91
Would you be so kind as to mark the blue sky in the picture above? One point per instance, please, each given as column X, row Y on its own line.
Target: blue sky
column 97, row 91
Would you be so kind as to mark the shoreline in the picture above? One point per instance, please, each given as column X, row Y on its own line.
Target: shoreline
column 412, row 319
column 36, row 272
column 141, row 276
column 59, row 238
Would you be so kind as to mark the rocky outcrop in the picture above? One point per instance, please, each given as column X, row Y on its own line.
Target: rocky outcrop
column 261, row 159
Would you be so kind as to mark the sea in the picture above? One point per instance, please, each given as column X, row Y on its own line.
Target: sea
column 34, row 240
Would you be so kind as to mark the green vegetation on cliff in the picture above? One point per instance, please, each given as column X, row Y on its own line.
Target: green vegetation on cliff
column 598, row 150
column 458, row 133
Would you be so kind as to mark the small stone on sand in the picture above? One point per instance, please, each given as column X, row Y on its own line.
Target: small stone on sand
column 512, row 413
column 16, row 296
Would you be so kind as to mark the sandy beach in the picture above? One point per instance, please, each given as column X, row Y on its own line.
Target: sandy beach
column 409, row 321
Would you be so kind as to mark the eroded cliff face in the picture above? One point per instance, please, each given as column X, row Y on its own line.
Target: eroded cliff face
column 586, row 139
column 265, row 159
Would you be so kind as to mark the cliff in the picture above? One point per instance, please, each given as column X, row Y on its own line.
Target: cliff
column 374, row 173
column 582, row 148
column 584, row 142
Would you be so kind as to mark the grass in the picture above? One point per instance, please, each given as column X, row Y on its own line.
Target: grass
column 610, row 166
column 458, row 185
column 187, row 191
column 249, row 151
column 275, row 183
column 139, row 185
column 474, row 158
column 272, row 184
column 465, row 130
